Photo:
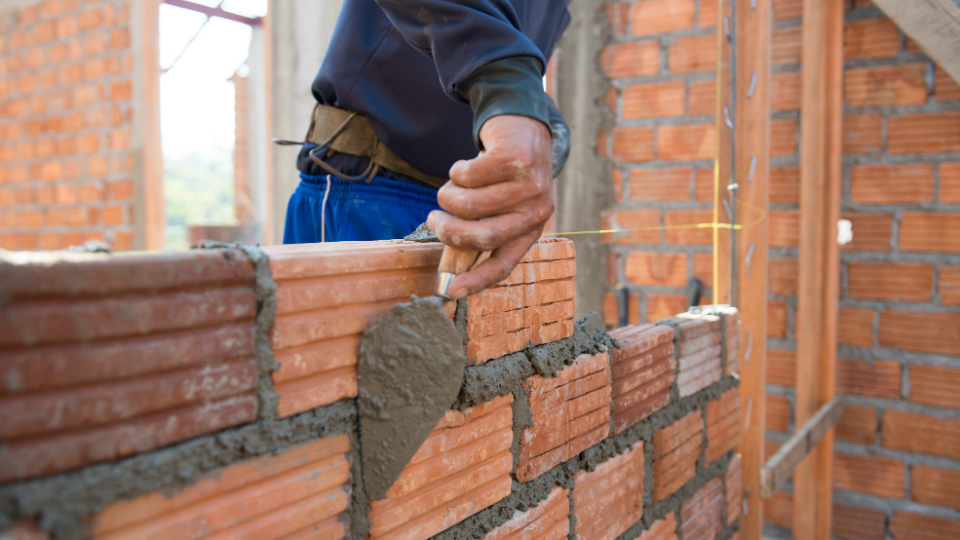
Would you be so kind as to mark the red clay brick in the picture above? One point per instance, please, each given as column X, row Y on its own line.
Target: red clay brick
column 871, row 232
column 654, row 100
column 924, row 232
column 857, row 425
column 778, row 414
column 693, row 54
column 676, row 450
column 908, row 526
column 663, row 306
column 924, row 133
column 660, row 184
column 891, row 184
column 862, row 134
column 782, row 367
column 701, row 516
column 871, row 38
column 462, row 468
column 647, row 221
column 950, row 182
column 23, row 530
column 643, row 372
column 609, row 312
column 635, row 59
column 883, row 477
column 886, row 85
column 785, row 90
column 664, row 529
column 270, row 497
column 723, row 424
column 618, row 16
column 549, row 520
column 659, row 269
column 784, row 228
column 703, row 98
column 686, row 142
column 785, row 48
column 787, row 9
column 783, row 277
column 703, row 268
column 777, row 319
column 919, row 433
column 855, row 327
column 609, row 500
column 907, row 282
column 733, row 488
column 683, row 226
column 570, row 413
column 931, row 485
column 698, row 341
column 921, row 332
column 778, row 510
column 783, row 137
column 633, row 144
column 878, row 379
column 649, row 17
column 852, row 523
column 945, row 88
column 785, row 185
column 935, row 386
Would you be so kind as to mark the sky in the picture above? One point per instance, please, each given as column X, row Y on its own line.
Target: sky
column 196, row 96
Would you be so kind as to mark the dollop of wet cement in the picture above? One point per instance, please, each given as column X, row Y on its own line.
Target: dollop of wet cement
column 423, row 234
column 409, row 371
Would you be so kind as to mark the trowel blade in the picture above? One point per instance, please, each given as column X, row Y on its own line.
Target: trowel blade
column 409, row 372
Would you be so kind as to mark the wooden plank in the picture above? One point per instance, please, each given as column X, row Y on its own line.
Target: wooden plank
column 805, row 440
column 150, row 223
column 934, row 24
column 753, row 26
column 820, row 180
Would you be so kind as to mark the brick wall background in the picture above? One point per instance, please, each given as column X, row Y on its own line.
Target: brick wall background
column 66, row 113
column 899, row 327
column 210, row 393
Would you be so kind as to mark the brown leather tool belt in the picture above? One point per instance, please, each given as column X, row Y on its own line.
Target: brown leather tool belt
column 336, row 130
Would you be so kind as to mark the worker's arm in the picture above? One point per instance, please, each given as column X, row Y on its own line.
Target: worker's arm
column 501, row 200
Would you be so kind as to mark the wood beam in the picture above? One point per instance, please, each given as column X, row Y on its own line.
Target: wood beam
column 805, row 440
column 820, row 181
column 151, row 217
column 752, row 121
column 934, row 24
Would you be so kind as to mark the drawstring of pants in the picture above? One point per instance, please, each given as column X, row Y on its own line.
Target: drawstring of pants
column 323, row 212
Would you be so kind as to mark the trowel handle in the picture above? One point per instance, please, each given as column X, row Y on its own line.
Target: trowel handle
column 453, row 262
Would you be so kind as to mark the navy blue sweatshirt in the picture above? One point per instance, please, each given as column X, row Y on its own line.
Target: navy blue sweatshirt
column 407, row 65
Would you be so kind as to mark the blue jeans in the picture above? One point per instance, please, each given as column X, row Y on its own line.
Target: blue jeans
column 328, row 209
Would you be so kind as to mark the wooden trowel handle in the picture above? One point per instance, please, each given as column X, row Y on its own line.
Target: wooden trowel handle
column 453, row 262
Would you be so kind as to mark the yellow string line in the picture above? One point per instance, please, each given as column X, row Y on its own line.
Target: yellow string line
column 717, row 226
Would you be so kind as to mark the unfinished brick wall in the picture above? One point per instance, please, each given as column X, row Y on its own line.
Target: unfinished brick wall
column 66, row 120
column 211, row 394
column 899, row 327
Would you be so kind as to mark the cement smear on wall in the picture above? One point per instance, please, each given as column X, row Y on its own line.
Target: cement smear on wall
column 409, row 373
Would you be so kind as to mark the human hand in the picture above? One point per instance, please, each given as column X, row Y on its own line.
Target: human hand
column 499, row 201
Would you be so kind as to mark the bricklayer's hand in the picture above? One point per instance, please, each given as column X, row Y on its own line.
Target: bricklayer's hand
column 500, row 200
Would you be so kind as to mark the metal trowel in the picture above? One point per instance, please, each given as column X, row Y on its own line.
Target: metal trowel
column 409, row 371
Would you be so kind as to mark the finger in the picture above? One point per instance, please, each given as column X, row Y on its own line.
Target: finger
column 476, row 203
column 495, row 269
column 494, row 165
column 488, row 233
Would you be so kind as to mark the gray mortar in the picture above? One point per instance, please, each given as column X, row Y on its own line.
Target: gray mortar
column 588, row 337
column 423, row 234
column 62, row 503
column 265, row 289
column 460, row 320
column 359, row 502
column 409, row 373
column 493, row 379
column 522, row 419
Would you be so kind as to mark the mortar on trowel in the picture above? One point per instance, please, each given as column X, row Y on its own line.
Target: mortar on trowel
column 409, row 372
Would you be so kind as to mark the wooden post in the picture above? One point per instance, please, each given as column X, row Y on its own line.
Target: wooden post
column 753, row 23
column 820, row 180
column 151, row 218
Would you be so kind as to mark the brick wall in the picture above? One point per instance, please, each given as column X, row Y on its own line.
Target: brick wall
column 66, row 119
column 661, row 63
column 211, row 393
column 899, row 327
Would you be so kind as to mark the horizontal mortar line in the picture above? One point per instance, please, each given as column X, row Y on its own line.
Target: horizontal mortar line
column 258, row 485
column 896, row 111
column 907, row 458
column 899, row 257
column 890, row 505
column 897, row 305
column 902, row 406
column 854, row 352
column 900, row 159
